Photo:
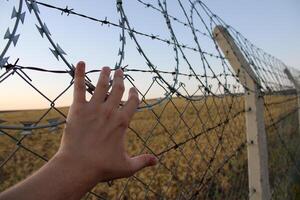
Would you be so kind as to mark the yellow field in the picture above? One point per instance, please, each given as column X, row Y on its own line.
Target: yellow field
column 201, row 147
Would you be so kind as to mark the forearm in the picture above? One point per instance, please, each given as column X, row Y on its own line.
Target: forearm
column 58, row 179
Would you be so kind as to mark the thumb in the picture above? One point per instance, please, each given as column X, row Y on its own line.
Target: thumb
column 142, row 161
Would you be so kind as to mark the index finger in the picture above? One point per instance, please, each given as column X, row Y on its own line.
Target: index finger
column 132, row 103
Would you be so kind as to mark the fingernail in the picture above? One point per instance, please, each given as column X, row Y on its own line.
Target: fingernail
column 80, row 66
column 81, row 63
column 119, row 70
column 105, row 68
column 153, row 161
column 133, row 89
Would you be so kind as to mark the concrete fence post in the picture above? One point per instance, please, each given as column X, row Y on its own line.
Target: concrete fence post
column 257, row 150
column 297, row 86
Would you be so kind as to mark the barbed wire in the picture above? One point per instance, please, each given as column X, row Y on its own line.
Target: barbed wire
column 11, row 36
column 196, row 127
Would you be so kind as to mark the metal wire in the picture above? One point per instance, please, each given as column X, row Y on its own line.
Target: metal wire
column 196, row 127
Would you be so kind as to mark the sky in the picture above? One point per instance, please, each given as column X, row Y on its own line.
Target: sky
column 272, row 25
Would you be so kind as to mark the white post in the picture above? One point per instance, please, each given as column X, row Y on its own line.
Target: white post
column 297, row 86
column 258, row 174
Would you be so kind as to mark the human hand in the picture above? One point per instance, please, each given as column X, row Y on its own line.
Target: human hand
column 94, row 135
column 92, row 148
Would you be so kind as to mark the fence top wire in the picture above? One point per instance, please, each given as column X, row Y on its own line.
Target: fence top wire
column 267, row 68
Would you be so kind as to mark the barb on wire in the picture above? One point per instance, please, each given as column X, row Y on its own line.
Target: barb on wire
column 12, row 36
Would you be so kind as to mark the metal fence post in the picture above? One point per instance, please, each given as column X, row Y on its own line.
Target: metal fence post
column 297, row 86
column 259, row 188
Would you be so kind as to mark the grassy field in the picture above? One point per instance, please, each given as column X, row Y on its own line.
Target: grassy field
column 201, row 147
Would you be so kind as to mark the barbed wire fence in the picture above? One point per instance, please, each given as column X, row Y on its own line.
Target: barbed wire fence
column 198, row 129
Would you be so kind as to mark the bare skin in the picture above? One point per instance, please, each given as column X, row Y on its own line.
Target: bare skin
column 92, row 147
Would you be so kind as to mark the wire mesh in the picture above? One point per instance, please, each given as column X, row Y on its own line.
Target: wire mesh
column 195, row 126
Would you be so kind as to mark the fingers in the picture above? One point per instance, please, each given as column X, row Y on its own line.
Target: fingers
column 79, row 83
column 102, row 86
column 117, row 89
column 132, row 103
column 142, row 161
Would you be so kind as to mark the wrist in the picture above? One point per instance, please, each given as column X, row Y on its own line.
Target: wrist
column 75, row 170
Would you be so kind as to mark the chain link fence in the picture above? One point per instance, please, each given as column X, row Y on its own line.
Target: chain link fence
column 195, row 126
